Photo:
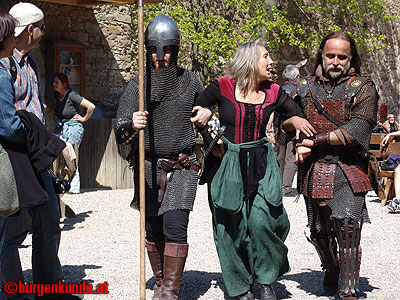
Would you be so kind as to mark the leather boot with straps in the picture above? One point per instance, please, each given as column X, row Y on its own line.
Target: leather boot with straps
column 155, row 251
column 174, row 262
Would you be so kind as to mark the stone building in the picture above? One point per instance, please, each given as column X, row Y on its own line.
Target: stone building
column 96, row 45
column 384, row 65
column 107, row 33
column 103, row 33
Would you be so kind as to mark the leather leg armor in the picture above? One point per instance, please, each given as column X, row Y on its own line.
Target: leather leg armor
column 325, row 244
column 327, row 251
column 348, row 233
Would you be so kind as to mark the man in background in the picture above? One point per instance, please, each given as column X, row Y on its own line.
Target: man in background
column 286, row 157
column 391, row 123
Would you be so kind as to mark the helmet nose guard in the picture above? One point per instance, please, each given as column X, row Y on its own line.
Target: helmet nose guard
column 160, row 32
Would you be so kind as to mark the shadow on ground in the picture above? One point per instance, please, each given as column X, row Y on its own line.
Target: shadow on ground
column 69, row 223
column 372, row 197
column 72, row 273
column 311, row 282
column 195, row 284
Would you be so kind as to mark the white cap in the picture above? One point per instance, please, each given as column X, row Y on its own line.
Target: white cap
column 25, row 13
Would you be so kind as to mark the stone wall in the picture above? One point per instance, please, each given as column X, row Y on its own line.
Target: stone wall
column 384, row 65
column 107, row 33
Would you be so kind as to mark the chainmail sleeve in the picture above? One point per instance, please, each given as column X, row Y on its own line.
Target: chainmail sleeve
column 125, row 135
column 363, row 114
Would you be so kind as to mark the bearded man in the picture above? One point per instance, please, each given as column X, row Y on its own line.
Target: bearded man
column 170, row 169
column 342, row 107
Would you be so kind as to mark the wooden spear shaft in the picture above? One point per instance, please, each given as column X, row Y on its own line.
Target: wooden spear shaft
column 141, row 154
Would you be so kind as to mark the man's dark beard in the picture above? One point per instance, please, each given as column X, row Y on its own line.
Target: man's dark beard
column 335, row 75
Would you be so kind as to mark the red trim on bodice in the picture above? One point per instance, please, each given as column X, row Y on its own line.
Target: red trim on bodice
column 227, row 87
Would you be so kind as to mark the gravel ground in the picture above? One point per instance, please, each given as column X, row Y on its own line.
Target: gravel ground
column 102, row 244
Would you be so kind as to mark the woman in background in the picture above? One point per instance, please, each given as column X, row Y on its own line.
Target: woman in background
column 69, row 123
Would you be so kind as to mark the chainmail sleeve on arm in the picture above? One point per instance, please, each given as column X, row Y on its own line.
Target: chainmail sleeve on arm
column 362, row 116
column 124, row 132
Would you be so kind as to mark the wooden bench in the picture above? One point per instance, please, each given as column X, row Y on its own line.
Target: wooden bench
column 393, row 147
column 375, row 144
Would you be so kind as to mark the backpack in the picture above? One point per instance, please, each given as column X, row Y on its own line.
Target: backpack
column 13, row 67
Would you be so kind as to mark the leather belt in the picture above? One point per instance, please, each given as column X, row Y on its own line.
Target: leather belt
column 168, row 165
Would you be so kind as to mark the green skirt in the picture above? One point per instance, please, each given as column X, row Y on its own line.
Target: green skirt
column 249, row 235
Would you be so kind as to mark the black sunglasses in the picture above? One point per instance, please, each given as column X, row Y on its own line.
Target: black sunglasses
column 42, row 28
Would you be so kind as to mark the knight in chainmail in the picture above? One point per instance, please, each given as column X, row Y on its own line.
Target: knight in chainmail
column 333, row 174
column 170, row 165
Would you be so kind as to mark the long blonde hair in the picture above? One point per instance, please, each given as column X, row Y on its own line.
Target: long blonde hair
column 243, row 66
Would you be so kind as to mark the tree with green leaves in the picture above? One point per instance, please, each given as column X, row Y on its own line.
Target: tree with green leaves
column 212, row 31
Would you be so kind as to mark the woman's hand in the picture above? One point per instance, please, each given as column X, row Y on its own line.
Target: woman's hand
column 79, row 118
column 302, row 153
column 139, row 120
column 300, row 124
column 200, row 116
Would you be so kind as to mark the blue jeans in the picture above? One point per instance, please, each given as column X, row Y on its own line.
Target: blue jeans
column 46, row 233
column 70, row 131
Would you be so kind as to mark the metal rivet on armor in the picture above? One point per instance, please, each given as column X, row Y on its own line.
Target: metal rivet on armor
column 303, row 82
column 355, row 83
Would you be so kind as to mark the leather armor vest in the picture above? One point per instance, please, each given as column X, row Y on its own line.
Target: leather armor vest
column 317, row 173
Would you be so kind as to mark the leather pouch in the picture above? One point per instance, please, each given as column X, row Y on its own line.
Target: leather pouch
column 167, row 165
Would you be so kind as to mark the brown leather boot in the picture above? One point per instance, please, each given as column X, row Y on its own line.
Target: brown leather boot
column 331, row 281
column 174, row 262
column 155, row 251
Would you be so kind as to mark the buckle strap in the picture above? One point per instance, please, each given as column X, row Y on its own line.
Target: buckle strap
column 168, row 165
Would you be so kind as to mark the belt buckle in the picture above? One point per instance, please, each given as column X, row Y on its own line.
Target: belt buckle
column 183, row 160
column 158, row 163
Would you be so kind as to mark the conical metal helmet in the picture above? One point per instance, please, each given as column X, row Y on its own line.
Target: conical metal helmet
column 160, row 32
